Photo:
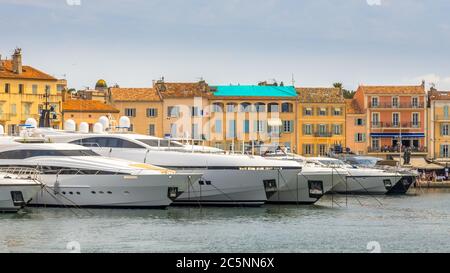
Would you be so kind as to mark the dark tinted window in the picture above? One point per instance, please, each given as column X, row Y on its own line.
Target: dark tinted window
column 160, row 143
column 22, row 154
column 110, row 142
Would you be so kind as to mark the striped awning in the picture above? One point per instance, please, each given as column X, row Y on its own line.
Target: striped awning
column 398, row 135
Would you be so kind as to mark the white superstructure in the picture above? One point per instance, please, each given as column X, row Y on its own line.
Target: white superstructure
column 77, row 176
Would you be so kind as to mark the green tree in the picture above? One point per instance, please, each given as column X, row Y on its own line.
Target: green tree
column 348, row 94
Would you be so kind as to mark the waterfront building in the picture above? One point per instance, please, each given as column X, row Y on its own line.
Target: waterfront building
column 245, row 117
column 25, row 91
column 396, row 119
column 355, row 128
column 143, row 106
column 86, row 111
column 439, row 125
column 321, row 120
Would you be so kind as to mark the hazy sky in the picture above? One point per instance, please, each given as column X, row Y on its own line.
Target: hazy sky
column 232, row 41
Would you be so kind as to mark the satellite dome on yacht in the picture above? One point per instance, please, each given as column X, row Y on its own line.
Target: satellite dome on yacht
column 84, row 127
column 2, row 130
column 104, row 121
column 98, row 128
column 70, row 125
column 31, row 123
column 124, row 122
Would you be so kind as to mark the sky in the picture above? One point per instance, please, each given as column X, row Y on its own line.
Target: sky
column 313, row 42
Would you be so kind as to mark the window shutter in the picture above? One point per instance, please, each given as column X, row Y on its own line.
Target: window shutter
column 364, row 137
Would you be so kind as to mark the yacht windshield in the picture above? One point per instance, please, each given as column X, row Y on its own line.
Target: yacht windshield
column 328, row 162
column 163, row 143
column 22, row 154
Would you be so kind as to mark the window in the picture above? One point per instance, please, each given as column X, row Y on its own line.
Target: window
column 360, row 137
column 307, row 129
column 260, row 107
column 13, row 109
column 395, row 102
column 445, row 129
column 152, row 112
column 151, row 130
column 308, row 149
column 48, row 89
column 34, row 89
column 287, row 107
column 259, row 126
column 337, row 112
column 194, row 131
column 246, row 107
column 160, row 143
column 7, row 87
column 322, row 149
column 395, row 119
column 110, row 142
column 415, row 102
column 130, row 112
column 231, row 107
column 246, row 126
column 27, row 108
column 22, row 154
column 446, row 112
column 217, row 107
column 273, row 107
column 375, row 143
column 195, row 111
column 288, row 126
column 173, row 111
column 359, row 122
column 21, row 88
column 59, row 87
column 308, row 111
column 218, row 126
column 337, row 129
column 375, row 119
column 231, row 131
column 374, row 101
column 322, row 111
column 322, row 129
column 444, row 151
column 415, row 120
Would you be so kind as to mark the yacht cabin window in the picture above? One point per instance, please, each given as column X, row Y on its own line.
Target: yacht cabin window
column 22, row 154
column 110, row 142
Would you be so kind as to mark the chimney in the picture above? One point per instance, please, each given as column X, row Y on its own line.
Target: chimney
column 1, row 63
column 17, row 61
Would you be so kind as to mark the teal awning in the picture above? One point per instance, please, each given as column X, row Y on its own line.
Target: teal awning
column 254, row 91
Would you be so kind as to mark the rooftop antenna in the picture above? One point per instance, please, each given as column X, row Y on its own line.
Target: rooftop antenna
column 293, row 80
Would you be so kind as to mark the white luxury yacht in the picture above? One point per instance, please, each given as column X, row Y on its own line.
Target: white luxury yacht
column 228, row 179
column 18, row 186
column 363, row 180
column 77, row 176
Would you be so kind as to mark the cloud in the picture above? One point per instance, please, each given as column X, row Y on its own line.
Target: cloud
column 373, row 2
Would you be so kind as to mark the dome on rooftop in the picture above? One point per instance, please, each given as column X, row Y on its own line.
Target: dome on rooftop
column 101, row 84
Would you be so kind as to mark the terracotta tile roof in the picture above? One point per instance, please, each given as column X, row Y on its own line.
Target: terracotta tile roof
column 134, row 94
column 352, row 107
column 28, row 72
column 439, row 95
column 398, row 89
column 184, row 90
column 93, row 106
column 320, row 95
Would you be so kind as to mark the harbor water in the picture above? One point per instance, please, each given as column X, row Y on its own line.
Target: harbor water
column 416, row 222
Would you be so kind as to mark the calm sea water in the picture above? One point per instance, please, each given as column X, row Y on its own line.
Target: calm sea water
column 417, row 222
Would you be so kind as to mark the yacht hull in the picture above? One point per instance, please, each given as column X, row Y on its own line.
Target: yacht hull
column 308, row 186
column 382, row 184
column 27, row 190
column 120, row 191
column 234, row 187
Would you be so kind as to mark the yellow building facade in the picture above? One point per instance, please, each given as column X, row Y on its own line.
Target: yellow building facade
column 321, row 120
column 439, row 125
column 24, row 92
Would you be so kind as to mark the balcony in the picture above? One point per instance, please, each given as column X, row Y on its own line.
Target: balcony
column 5, row 117
column 396, row 149
column 26, row 116
column 323, row 134
column 396, row 106
column 394, row 125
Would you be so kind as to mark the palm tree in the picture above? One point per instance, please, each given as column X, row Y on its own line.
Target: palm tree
column 337, row 85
